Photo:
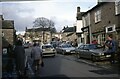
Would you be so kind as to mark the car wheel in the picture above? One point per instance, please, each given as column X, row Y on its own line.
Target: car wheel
column 63, row 52
column 93, row 58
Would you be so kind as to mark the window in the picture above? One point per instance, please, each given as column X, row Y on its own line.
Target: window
column 97, row 16
column 110, row 28
column 2, row 34
column 86, row 47
column 81, row 47
column 86, row 20
column 117, row 7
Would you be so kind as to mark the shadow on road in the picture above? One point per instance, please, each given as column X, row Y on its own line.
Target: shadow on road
column 51, row 67
column 55, row 77
column 103, row 72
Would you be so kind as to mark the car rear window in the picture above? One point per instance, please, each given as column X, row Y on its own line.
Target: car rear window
column 66, row 46
column 45, row 47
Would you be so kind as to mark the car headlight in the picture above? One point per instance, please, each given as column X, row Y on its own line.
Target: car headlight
column 43, row 50
column 101, row 54
column 67, row 50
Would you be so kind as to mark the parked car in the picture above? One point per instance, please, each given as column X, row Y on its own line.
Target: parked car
column 26, row 45
column 48, row 50
column 55, row 43
column 91, row 51
column 65, row 48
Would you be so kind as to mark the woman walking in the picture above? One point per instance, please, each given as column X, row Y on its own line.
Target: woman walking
column 36, row 54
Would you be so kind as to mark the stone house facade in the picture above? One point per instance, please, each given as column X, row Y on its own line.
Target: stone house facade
column 100, row 21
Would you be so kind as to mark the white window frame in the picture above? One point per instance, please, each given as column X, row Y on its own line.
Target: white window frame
column 97, row 16
column 113, row 29
column 117, row 7
column 83, row 20
column 86, row 20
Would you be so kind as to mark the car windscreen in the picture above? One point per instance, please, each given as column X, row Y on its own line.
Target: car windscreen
column 47, row 46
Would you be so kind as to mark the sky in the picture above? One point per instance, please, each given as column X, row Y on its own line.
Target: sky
column 63, row 13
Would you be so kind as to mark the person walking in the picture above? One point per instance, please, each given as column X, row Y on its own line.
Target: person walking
column 36, row 55
column 10, row 61
column 75, row 44
column 19, row 55
column 111, row 44
column 94, row 42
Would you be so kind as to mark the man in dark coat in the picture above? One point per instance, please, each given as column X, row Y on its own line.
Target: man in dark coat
column 111, row 44
column 19, row 54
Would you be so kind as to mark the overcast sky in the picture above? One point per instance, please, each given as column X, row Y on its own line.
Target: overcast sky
column 61, row 12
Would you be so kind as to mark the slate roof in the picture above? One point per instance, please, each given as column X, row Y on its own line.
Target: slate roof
column 7, row 24
column 100, row 4
column 69, row 29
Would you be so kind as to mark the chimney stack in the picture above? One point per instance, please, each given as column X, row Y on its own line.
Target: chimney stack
column 78, row 9
column 78, row 13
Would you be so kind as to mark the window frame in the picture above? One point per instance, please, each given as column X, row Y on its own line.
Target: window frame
column 97, row 16
column 113, row 28
column 117, row 7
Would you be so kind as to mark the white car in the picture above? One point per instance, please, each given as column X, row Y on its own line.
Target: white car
column 48, row 50
column 65, row 48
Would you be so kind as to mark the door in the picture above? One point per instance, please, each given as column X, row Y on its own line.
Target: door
column 86, row 52
column 81, row 50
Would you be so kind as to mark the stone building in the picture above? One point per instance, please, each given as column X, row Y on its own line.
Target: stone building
column 102, row 19
column 79, row 25
column 8, row 33
column 69, row 34
column 36, row 34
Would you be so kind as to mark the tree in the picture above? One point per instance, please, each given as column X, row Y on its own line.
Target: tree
column 44, row 23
